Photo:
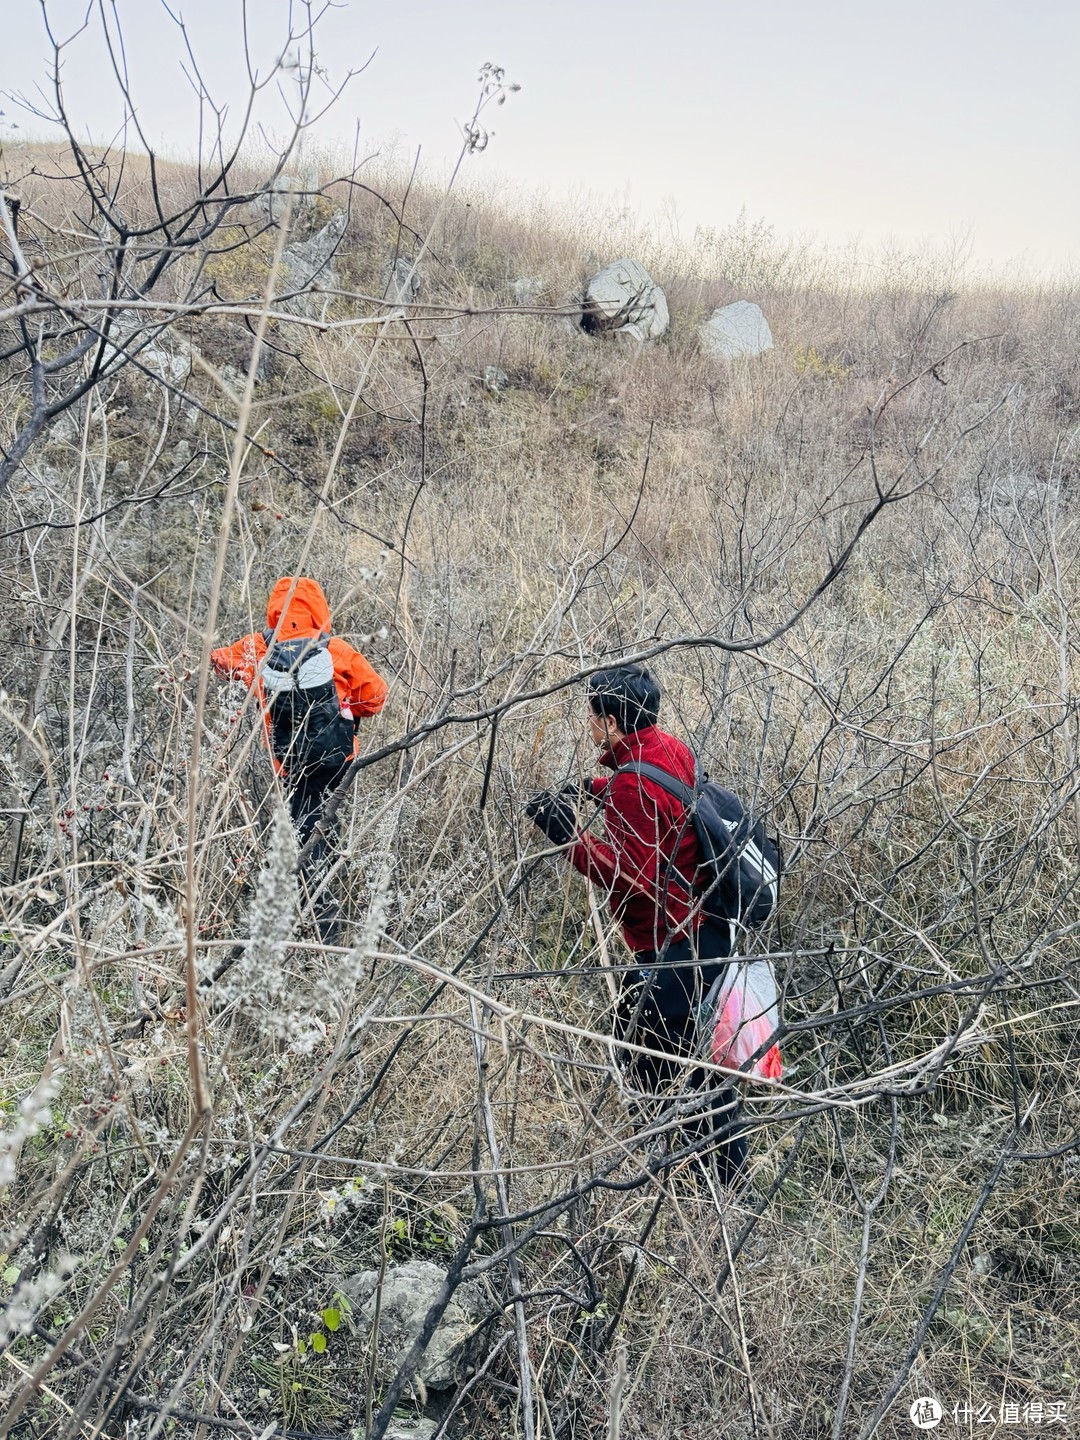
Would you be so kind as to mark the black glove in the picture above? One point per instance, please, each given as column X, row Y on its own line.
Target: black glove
column 555, row 814
column 593, row 789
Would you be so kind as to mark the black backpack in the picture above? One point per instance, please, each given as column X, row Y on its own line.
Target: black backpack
column 739, row 875
column 307, row 729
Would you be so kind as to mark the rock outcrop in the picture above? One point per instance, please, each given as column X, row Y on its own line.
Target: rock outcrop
column 402, row 280
column 285, row 194
column 734, row 330
column 408, row 1293
column 623, row 298
column 307, row 262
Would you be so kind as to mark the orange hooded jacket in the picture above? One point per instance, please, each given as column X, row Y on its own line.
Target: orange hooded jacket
column 360, row 689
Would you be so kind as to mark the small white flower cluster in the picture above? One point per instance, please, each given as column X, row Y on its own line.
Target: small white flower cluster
column 27, row 1299
column 260, row 980
column 33, row 1115
column 166, row 928
column 460, row 879
column 334, row 1202
column 379, row 865
column 334, row 988
column 87, row 1231
column 80, row 1028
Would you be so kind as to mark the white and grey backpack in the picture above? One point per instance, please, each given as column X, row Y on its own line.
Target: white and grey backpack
column 308, row 729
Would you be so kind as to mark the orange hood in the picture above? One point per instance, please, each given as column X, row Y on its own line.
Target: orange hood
column 307, row 612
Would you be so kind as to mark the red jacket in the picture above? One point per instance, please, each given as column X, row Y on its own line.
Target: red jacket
column 360, row 690
column 645, row 827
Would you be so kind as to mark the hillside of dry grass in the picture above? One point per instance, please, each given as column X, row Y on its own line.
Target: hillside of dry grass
column 853, row 564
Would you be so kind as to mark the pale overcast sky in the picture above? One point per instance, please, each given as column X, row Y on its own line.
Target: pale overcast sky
column 932, row 120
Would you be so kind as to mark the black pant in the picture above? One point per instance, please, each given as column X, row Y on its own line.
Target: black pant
column 658, row 1009
column 307, row 794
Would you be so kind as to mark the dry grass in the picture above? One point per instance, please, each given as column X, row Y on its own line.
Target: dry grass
column 912, row 736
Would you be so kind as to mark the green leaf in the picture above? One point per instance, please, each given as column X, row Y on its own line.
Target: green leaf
column 318, row 1343
column 301, row 1347
column 11, row 1274
column 331, row 1319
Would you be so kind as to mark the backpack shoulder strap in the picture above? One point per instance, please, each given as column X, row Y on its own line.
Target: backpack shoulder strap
column 663, row 778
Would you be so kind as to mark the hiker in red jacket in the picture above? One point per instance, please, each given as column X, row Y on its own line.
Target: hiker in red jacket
column 647, row 864
column 314, row 689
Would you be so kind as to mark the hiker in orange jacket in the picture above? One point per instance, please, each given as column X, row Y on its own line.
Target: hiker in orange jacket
column 314, row 689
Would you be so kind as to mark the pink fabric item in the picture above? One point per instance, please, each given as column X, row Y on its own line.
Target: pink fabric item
column 747, row 1014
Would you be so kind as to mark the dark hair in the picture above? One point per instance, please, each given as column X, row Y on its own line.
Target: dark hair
column 628, row 693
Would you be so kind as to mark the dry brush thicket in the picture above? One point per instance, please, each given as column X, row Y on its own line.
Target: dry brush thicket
column 853, row 564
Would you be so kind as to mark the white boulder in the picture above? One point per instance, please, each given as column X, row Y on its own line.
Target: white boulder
column 623, row 298
column 734, row 330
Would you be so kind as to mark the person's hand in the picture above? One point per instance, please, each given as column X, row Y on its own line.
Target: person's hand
column 555, row 813
column 593, row 789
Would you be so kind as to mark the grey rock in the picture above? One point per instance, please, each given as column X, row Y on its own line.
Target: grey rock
column 624, row 299
column 496, row 380
column 415, row 1428
column 527, row 290
column 307, row 263
column 166, row 356
column 401, row 280
column 401, row 1427
column 68, row 425
column 274, row 202
column 173, row 365
column 734, row 330
column 408, row 1293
